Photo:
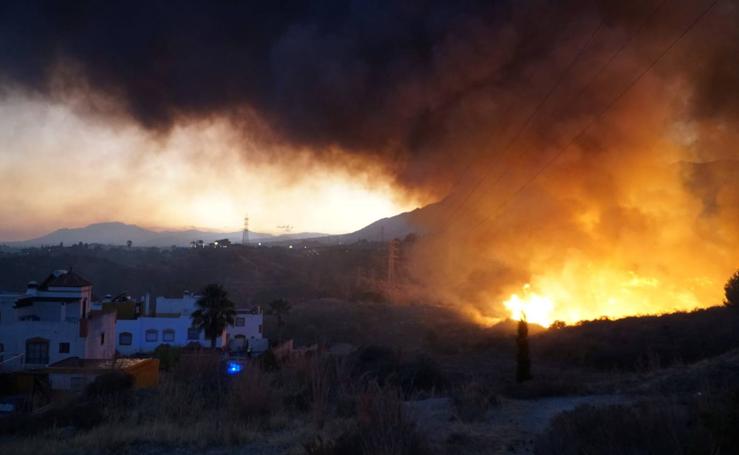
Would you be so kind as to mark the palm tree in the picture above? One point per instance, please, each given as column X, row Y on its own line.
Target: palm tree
column 215, row 312
column 279, row 308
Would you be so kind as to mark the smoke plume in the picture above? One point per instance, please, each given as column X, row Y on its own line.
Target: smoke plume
column 585, row 149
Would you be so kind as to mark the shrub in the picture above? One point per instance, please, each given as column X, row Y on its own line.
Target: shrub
column 422, row 375
column 472, row 400
column 252, row 396
column 706, row 424
column 168, row 356
column 107, row 385
column 731, row 290
column 382, row 426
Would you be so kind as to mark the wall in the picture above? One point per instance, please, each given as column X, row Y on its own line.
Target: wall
column 97, row 325
column 138, row 327
column 13, row 337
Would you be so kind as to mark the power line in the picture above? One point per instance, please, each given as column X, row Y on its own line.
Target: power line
column 612, row 103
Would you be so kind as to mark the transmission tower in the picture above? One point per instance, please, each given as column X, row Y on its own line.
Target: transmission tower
column 245, row 232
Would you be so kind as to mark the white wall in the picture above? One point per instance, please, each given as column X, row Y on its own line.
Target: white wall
column 14, row 337
column 138, row 327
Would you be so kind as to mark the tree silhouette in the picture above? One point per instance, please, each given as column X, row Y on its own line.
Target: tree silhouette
column 279, row 308
column 215, row 312
column 731, row 290
column 523, row 361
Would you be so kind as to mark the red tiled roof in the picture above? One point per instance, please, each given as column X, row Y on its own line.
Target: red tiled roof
column 64, row 280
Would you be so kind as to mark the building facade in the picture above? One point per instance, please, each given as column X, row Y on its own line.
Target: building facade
column 168, row 321
column 53, row 321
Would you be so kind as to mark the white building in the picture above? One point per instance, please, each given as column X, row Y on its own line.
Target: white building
column 53, row 321
column 168, row 321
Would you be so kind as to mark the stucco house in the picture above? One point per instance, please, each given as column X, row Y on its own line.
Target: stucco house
column 53, row 321
column 168, row 321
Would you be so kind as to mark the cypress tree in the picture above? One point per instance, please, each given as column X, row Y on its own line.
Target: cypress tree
column 523, row 361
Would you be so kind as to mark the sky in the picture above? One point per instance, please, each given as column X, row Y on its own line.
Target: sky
column 62, row 169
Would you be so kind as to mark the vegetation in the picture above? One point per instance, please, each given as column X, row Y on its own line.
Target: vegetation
column 523, row 361
column 731, row 291
column 699, row 424
column 215, row 312
column 279, row 308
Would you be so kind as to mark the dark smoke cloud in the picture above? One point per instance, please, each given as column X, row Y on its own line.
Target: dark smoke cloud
column 394, row 79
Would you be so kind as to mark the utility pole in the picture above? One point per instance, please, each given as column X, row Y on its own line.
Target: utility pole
column 245, row 232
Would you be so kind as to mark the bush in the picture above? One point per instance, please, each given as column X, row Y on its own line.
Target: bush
column 422, row 375
column 168, row 356
column 252, row 396
column 705, row 424
column 731, row 290
column 107, row 385
column 472, row 400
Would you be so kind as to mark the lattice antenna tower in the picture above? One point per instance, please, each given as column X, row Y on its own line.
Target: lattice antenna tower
column 245, row 232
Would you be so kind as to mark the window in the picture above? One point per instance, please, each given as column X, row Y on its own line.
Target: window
column 125, row 339
column 2, row 349
column 260, row 328
column 193, row 333
column 102, row 338
column 152, row 335
column 168, row 335
column 37, row 351
column 240, row 322
column 63, row 348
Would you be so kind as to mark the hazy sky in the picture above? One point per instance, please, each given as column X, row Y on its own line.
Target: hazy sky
column 63, row 169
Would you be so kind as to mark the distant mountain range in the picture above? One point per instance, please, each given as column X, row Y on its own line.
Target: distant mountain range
column 116, row 233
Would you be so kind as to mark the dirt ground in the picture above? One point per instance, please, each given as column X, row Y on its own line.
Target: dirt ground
column 509, row 427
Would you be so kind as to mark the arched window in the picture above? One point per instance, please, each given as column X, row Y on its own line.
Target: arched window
column 125, row 339
column 152, row 335
column 168, row 335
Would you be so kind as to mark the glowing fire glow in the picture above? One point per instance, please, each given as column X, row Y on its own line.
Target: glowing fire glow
column 534, row 307
column 582, row 293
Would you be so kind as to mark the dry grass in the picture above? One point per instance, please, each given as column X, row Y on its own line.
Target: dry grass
column 696, row 424
column 472, row 400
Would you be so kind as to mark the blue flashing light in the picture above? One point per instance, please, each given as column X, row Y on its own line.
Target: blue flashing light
column 233, row 368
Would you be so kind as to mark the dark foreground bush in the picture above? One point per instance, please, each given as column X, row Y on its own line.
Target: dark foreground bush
column 77, row 414
column 381, row 429
column 699, row 425
column 107, row 385
column 472, row 400
column 169, row 356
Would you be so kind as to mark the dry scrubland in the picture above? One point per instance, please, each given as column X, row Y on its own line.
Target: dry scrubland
column 437, row 387
column 423, row 380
